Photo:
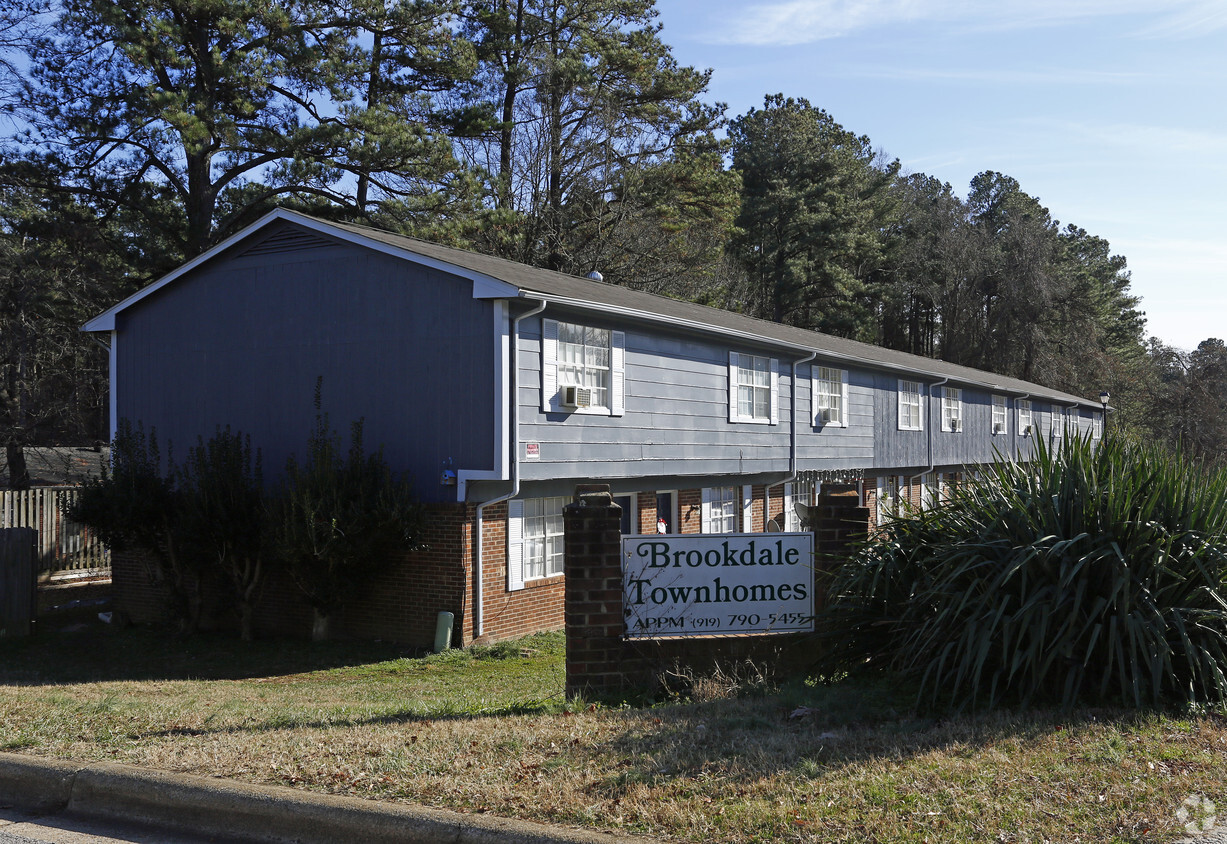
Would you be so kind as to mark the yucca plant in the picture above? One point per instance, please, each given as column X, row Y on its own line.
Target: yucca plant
column 1092, row 573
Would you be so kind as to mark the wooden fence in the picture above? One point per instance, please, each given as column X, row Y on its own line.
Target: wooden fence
column 64, row 547
column 18, row 595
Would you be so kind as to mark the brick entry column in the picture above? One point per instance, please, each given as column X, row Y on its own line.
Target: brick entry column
column 839, row 521
column 596, row 652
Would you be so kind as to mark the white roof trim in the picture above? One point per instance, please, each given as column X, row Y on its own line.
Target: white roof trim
column 484, row 286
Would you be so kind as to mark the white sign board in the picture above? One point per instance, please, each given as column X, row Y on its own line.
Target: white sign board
column 718, row 584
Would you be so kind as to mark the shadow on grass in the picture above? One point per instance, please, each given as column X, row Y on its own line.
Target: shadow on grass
column 96, row 653
column 814, row 731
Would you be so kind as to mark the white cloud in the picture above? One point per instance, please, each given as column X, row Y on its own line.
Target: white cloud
column 1156, row 141
column 792, row 22
column 995, row 76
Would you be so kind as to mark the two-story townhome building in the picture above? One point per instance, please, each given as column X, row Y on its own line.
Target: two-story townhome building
column 499, row 387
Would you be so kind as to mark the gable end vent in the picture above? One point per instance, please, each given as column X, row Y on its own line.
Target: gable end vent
column 287, row 240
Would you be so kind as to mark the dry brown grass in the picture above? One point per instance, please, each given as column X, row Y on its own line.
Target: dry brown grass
column 732, row 768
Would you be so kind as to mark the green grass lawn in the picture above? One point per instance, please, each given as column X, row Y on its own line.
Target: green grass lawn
column 488, row 730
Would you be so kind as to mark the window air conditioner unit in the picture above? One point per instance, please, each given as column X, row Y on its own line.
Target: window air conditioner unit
column 826, row 415
column 574, row 396
column 1026, row 431
column 998, row 428
column 955, row 424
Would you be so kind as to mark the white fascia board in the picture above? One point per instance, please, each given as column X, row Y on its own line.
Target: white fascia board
column 759, row 340
column 484, row 286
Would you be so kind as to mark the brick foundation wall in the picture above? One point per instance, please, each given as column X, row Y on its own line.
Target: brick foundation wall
column 400, row 604
column 647, row 512
column 134, row 590
column 758, row 507
column 690, row 511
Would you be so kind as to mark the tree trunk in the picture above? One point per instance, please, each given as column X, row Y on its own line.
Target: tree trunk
column 362, row 195
column 19, row 473
column 511, row 79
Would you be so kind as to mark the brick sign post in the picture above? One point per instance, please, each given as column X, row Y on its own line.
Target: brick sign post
column 601, row 657
column 596, row 652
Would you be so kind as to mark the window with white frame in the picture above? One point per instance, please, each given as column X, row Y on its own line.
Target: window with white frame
column 952, row 409
column 1024, row 416
column 1058, row 421
column 753, row 387
column 582, row 369
column 583, row 360
column 910, row 418
column 719, row 513
column 543, row 535
column 534, row 539
column 1096, row 426
column 999, row 415
column 830, row 391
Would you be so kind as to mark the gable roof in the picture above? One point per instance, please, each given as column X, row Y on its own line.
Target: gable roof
column 494, row 277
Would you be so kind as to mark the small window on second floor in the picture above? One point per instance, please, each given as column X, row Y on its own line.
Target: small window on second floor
column 999, row 415
column 583, row 361
column 830, row 391
column 952, row 409
column 753, row 386
column 1024, row 416
column 910, row 418
column 582, row 369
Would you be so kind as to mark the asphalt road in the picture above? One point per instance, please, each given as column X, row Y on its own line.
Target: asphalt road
column 20, row 828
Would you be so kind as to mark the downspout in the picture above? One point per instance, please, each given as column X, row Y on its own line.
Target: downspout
column 792, row 444
column 513, row 457
column 932, row 462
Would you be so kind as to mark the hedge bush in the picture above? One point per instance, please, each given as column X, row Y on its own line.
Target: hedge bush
column 1093, row 573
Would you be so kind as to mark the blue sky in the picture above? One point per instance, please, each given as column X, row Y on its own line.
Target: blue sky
column 1111, row 112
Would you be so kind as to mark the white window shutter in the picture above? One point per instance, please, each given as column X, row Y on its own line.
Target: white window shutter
column 705, row 511
column 549, row 365
column 775, row 391
column 732, row 388
column 747, row 508
column 844, row 418
column 515, row 545
column 617, row 373
column 813, row 396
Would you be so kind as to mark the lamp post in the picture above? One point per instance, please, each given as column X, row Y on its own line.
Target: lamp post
column 1103, row 400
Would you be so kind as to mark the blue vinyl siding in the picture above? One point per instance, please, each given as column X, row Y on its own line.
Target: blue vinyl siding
column 241, row 343
column 676, row 417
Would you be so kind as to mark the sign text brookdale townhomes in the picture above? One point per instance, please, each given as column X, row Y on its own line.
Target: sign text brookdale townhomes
column 718, row 584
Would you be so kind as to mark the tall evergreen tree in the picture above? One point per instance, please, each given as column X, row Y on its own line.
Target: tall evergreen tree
column 230, row 106
column 815, row 204
column 583, row 92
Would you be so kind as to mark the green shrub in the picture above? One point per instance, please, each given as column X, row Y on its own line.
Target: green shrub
column 1093, row 573
column 222, row 518
column 136, row 505
column 342, row 517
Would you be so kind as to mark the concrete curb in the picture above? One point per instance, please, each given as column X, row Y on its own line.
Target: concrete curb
column 264, row 813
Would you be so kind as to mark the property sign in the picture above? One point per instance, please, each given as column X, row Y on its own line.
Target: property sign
column 718, row 584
